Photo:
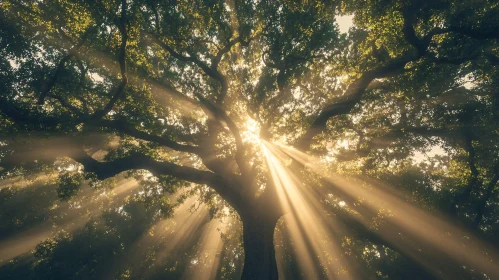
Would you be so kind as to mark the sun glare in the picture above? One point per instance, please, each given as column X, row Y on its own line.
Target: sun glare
column 251, row 132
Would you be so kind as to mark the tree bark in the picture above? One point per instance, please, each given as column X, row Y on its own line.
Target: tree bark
column 259, row 253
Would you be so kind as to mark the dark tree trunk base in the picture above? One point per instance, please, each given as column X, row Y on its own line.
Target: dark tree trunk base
column 259, row 252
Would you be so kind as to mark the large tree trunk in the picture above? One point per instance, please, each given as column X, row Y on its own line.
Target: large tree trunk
column 259, row 253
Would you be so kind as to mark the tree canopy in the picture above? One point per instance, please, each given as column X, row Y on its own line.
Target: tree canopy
column 249, row 139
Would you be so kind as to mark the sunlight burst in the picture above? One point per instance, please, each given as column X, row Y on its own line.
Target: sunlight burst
column 251, row 132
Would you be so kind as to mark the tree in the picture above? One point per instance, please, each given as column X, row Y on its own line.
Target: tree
column 184, row 85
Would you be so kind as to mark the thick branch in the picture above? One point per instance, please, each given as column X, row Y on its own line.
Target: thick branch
column 48, row 149
column 353, row 96
column 214, row 110
column 109, row 169
column 222, row 185
column 355, row 91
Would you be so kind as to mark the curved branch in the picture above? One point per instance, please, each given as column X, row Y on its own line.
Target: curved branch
column 352, row 97
column 49, row 149
column 355, row 91
column 214, row 110
column 109, row 169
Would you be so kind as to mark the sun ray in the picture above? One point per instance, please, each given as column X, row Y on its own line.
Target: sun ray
column 172, row 236
column 308, row 228
column 72, row 217
column 207, row 260
column 421, row 229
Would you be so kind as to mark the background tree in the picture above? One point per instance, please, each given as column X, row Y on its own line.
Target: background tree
column 261, row 112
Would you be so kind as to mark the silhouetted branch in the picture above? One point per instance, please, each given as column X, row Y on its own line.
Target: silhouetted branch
column 109, row 169
column 214, row 109
column 71, row 146
column 351, row 98
column 355, row 91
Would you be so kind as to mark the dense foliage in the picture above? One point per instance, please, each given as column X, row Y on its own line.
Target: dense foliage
column 131, row 128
